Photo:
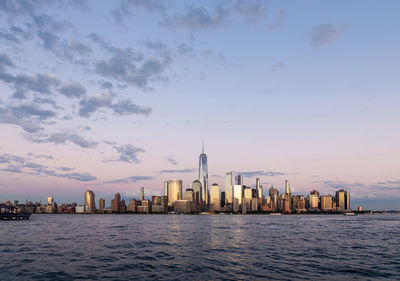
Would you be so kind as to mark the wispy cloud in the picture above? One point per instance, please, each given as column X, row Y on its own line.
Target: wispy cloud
column 325, row 34
column 177, row 171
column 252, row 174
column 171, row 160
column 130, row 179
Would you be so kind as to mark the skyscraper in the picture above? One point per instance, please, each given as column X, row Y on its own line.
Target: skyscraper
column 90, row 205
column 116, row 203
column 197, row 189
column 215, row 197
column 238, row 179
column 228, row 190
column 259, row 188
column 287, row 187
column 342, row 200
column 102, row 205
column 142, row 193
column 174, row 191
column 203, row 176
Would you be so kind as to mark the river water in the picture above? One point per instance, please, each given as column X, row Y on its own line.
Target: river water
column 189, row 247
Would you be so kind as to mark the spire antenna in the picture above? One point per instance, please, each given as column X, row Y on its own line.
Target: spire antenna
column 203, row 148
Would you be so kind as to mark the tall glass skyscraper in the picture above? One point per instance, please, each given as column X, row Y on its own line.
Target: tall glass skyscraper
column 203, row 176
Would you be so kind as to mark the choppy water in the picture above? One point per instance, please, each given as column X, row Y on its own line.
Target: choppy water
column 165, row 247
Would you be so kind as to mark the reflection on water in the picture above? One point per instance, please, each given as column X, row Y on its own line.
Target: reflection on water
column 66, row 247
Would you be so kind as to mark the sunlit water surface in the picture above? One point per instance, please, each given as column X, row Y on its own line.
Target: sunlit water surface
column 166, row 247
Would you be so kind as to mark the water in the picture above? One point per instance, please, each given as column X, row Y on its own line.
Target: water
column 165, row 247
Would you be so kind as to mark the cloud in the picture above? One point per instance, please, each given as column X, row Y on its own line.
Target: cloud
column 31, row 110
column 5, row 61
column 22, row 165
column 276, row 67
column 198, row 18
column 278, row 21
column 252, row 174
column 126, row 66
column 63, row 138
column 130, row 179
column 387, row 185
column 105, row 100
column 177, row 171
column 40, row 156
column 9, row 117
column 126, row 8
column 171, row 160
column 250, row 11
column 72, row 89
column 125, row 107
column 129, row 153
column 41, row 83
column 325, row 34
column 340, row 184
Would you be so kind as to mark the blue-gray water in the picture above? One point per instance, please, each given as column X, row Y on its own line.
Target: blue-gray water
column 90, row 247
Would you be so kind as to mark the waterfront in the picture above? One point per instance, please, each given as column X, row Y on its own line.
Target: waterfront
column 66, row 247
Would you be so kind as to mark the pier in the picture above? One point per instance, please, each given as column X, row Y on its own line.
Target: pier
column 13, row 216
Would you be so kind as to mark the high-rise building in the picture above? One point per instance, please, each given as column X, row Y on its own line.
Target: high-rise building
column 90, row 205
column 274, row 194
column 259, row 188
column 142, row 193
column 132, row 207
column 238, row 194
column 197, row 191
column 342, row 200
column 50, row 200
column 102, row 205
column 166, row 188
column 326, row 202
column 203, row 177
column 239, row 179
column 287, row 187
column 188, row 195
column 116, row 203
column 313, row 200
column 215, row 197
column 228, row 190
column 174, row 191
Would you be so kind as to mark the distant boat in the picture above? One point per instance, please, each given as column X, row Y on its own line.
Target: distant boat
column 349, row 214
column 275, row 214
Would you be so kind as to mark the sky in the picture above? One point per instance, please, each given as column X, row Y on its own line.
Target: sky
column 114, row 95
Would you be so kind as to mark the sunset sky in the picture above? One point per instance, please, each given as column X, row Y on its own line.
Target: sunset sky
column 114, row 95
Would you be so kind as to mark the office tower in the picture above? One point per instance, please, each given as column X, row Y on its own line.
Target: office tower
column 122, row 208
column 223, row 199
column 166, row 188
column 238, row 194
column 50, row 200
column 287, row 187
column 247, row 196
column 174, row 191
column 197, row 189
column 313, row 199
column 239, row 179
column 188, row 195
column 132, row 207
column 203, row 177
column 116, row 203
column 342, row 200
column 90, row 205
column 142, row 193
column 228, row 190
column 274, row 194
column 215, row 197
column 326, row 202
column 102, row 205
column 259, row 188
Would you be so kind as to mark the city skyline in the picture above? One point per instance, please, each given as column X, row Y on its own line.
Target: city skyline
column 117, row 95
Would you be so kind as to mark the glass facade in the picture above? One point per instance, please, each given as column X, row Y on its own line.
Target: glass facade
column 203, row 177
